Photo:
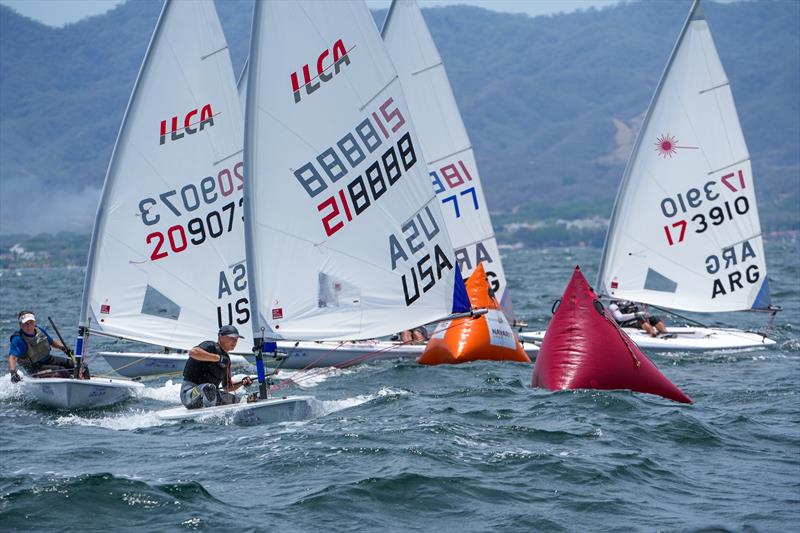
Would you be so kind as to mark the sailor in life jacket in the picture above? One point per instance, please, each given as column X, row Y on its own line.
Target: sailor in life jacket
column 30, row 348
column 208, row 368
column 627, row 314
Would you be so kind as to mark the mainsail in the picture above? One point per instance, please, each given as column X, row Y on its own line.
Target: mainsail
column 685, row 232
column 445, row 144
column 166, row 262
column 344, row 235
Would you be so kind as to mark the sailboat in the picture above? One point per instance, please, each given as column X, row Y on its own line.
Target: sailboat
column 462, row 224
column 450, row 159
column 212, row 299
column 685, row 233
column 445, row 143
column 344, row 236
column 171, row 192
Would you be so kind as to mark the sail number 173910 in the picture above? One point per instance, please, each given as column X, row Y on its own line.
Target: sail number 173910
column 696, row 199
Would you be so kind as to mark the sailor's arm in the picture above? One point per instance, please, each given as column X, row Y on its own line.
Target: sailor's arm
column 12, row 368
column 202, row 355
column 246, row 381
column 620, row 316
column 58, row 344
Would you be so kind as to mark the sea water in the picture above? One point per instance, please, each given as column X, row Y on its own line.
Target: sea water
column 399, row 447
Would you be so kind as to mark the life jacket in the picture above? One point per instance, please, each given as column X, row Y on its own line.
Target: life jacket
column 38, row 348
column 200, row 372
column 626, row 307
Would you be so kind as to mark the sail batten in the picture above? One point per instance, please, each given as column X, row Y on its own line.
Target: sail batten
column 696, row 231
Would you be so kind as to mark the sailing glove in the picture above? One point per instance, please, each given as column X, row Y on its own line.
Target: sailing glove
column 639, row 314
column 15, row 377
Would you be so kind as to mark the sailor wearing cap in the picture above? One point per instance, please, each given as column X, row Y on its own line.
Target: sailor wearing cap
column 30, row 348
column 209, row 368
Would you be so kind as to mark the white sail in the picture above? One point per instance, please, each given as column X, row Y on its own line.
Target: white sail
column 685, row 232
column 166, row 263
column 445, row 143
column 344, row 235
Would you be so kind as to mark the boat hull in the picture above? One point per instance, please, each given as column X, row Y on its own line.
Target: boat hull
column 686, row 338
column 269, row 411
column 68, row 393
column 301, row 355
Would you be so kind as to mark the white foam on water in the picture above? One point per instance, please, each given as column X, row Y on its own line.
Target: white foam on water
column 331, row 406
column 118, row 422
column 168, row 392
column 306, row 379
column 10, row 391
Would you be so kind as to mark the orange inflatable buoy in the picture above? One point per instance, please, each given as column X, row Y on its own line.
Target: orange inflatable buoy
column 585, row 349
column 487, row 337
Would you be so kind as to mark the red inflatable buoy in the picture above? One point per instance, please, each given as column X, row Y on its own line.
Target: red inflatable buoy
column 585, row 349
column 487, row 337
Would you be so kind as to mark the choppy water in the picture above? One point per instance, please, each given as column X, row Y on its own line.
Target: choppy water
column 401, row 447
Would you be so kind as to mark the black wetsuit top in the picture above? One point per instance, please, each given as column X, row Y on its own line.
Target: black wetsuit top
column 205, row 371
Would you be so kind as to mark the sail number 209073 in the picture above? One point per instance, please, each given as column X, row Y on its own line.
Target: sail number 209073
column 189, row 199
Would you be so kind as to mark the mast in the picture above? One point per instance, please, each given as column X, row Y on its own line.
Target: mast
column 250, row 75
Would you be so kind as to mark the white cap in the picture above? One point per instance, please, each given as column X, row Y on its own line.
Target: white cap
column 27, row 317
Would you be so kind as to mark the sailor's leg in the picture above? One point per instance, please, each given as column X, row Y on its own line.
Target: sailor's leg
column 658, row 324
column 197, row 396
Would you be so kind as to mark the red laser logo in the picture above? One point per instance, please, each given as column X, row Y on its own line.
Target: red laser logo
column 667, row 145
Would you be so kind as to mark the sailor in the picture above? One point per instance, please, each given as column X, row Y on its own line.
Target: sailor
column 208, row 368
column 628, row 314
column 418, row 335
column 30, row 348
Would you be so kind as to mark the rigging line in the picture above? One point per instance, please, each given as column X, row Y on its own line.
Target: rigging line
column 721, row 85
column 462, row 150
column 746, row 159
column 427, row 68
column 673, row 313
column 716, row 98
column 395, row 78
column 286, row 127
column 215, row 163
column 484, row 239
column 756, row 236
column 203, row 58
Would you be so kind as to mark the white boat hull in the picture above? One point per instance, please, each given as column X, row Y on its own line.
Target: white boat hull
column 68, row 393
column 301, row 355
column 686, row 338
column 270, row 411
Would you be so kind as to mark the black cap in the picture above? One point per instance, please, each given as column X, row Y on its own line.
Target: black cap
column 229, row 331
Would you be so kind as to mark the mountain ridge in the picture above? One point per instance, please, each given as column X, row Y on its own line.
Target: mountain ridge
column 551, row 103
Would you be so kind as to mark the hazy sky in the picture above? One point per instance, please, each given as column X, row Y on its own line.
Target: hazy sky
column 60, row 12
